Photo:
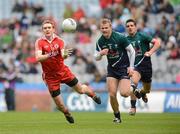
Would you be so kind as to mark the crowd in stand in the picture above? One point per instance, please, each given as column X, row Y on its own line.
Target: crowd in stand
column 17, row 35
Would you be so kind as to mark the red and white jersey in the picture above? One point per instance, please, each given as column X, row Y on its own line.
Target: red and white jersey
column 55, row 64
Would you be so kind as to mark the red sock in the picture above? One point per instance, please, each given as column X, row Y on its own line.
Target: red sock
column 91, row 94
column 66, row 112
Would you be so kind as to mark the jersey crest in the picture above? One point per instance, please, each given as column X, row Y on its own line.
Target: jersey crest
column 137, row 47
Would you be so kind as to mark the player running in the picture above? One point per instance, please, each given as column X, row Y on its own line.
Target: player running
column 120, row 55
column 143, row 66
column 50, row 52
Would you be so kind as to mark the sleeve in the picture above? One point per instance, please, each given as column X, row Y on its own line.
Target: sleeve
column 98, row 48
column 97, row 54
column 38, row 45
column 131, row 54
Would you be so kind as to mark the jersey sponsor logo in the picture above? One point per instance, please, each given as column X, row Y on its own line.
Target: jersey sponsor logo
column 77, row 102
column 113, row 54
column 172, row 102
column 113, row 51
column 137, row 47
column 54, row 53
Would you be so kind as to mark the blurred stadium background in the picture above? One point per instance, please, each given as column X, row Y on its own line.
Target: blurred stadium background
column 20, row 22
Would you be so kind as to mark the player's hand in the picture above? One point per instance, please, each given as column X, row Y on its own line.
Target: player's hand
column 130, row 71
column 104, row 52
column 67, row 52
column 147, row 54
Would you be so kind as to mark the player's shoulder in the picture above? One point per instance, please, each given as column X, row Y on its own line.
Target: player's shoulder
column 100, row 39
column 143, row 34
column 126, row 35
column 39, row 40
column 59, row 39
column 118, row 34
column 145, row 37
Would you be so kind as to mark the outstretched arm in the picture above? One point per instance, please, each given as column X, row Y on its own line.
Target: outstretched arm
column 40, row 56
column 98, row 54
column 66, row 52
column 38, row 53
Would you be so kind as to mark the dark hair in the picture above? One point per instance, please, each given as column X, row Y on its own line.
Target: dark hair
column 131, row 20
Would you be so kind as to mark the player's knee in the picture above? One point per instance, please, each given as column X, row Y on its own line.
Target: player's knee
column 112, row 94
column 124, row 93
column 79, row 88
column 82, row 89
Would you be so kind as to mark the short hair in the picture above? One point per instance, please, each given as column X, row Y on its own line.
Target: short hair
column 131, row 20
column 48, row 21
column 105, row 21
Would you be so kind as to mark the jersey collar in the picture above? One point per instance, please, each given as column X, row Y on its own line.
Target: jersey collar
column 54, row 36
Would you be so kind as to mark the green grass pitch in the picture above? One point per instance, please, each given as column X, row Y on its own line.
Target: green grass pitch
column 88, row 123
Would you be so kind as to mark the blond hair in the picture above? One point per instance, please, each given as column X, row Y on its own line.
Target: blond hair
column 105, row 21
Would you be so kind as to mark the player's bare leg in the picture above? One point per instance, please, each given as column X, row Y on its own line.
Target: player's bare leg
column 146, row 89
column 124, row 87
column 125, row 90
column 84, row 89
column 136, row 94
column 112, row 85
column 60, row 105
column 132, row 110
column 134, row 82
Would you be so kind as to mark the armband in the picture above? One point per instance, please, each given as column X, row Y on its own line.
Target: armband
column 155, row 41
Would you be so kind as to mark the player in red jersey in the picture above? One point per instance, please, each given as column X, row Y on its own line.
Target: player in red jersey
column 50, row 52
